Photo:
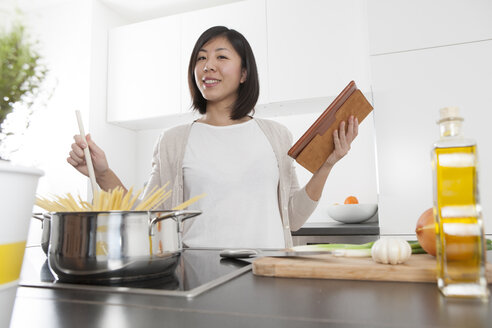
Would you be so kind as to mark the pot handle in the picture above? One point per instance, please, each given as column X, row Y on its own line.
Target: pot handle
column 178, row 216
column 44, row 216
column 35, row 216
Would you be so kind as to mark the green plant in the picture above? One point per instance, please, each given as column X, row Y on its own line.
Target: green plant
column 21, row 72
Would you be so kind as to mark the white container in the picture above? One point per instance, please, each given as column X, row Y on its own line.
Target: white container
column 17, row 193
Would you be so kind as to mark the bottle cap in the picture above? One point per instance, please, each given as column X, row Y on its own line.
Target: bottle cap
column 449, row 114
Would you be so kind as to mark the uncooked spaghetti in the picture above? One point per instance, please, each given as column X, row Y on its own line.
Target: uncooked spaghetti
column 113, row 200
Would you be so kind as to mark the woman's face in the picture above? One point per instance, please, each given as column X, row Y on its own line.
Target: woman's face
column 218, row 71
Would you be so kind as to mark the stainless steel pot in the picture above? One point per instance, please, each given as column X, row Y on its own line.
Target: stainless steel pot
column 114, row 245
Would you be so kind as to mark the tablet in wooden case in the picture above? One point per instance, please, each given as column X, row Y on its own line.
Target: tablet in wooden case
column 314, row 147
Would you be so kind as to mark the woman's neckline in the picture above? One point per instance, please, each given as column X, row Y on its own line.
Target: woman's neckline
column 225, row 125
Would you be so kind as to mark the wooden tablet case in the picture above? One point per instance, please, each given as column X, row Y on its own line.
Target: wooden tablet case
column 314, row 147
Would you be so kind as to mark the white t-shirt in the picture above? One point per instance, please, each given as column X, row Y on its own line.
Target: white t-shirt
column 236, row 167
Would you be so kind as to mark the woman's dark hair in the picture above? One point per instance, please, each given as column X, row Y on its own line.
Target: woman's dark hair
column 248, row 91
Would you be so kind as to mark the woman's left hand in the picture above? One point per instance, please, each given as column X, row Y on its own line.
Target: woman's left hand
column 342, row 138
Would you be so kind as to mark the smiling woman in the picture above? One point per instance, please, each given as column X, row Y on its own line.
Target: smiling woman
column 218, row 73
column 222, row 73
column 240, row 162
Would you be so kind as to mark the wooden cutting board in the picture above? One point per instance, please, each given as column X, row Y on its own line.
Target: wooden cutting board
column 419, row 268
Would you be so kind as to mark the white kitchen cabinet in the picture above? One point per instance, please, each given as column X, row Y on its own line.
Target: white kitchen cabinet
column 409, row 88
column 143, row 70
column 399, row 25
column 303, row 50
column 316, row 47
column 247, row 17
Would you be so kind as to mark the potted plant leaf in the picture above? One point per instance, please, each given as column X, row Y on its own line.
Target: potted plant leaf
column 21, row 74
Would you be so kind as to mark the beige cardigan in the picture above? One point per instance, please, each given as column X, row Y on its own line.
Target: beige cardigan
column 294, row 203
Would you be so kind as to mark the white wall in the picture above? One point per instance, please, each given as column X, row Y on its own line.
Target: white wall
column 63, row 31
column 119, row 143
column 72, row 38
column 426, row 55
column 146, row 10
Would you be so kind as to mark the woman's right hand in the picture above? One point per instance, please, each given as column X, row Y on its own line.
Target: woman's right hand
column 77, row 158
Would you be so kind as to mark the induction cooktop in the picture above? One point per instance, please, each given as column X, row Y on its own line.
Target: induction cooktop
column 197, row 271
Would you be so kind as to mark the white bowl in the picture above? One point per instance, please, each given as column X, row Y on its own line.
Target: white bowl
column 352, row 213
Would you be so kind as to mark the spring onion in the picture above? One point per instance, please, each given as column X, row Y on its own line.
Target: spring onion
column 361, row 250
column 417, row 249
column 348, row 250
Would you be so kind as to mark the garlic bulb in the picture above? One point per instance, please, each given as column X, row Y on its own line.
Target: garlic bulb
column 391, row 250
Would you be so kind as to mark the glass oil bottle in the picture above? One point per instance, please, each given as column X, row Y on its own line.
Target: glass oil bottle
column 460, row 237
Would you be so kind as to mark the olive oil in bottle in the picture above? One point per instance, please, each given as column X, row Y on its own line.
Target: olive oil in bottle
column 459, row 226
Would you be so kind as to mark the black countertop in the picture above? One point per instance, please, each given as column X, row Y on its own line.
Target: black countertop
column 337, row 228
column 252, row 301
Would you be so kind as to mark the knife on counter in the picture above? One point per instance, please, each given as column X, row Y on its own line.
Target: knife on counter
column 255, row 253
